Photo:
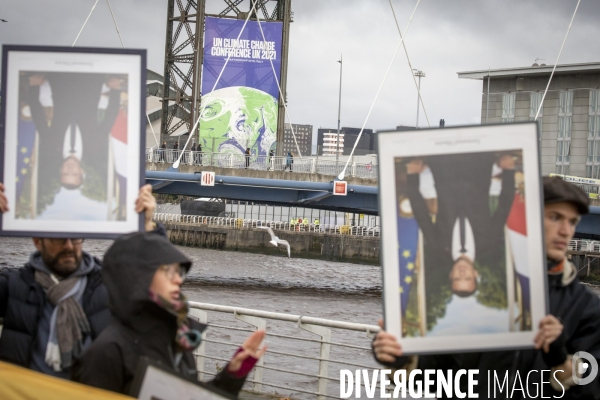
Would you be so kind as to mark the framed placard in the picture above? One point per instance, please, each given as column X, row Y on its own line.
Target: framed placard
column 155, row 382
column 72, row 145
column 462, row 239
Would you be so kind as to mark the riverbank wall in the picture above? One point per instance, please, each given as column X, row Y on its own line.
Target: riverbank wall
column 335, row 247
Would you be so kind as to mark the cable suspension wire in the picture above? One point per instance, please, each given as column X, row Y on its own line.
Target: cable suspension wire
column 86, row 20
column 408, row 58
column 343, row 173
column 176, row 163
column 287, row 114
column 556, row 63
column 152, row 129
column 115, row 21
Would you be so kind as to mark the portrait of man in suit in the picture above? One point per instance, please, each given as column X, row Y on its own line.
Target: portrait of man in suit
column 73, row 115
column 464, row 229
column 460, row 203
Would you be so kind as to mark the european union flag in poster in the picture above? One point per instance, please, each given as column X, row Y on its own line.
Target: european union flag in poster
column 25, row 140
column 408, row 237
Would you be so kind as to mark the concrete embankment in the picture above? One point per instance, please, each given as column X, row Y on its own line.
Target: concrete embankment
column 355, row 249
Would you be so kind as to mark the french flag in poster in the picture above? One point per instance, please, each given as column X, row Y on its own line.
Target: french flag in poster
column 118, row 139
column 517, row 234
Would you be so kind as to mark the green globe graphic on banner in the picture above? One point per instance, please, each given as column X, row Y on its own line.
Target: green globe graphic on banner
column 238, row 117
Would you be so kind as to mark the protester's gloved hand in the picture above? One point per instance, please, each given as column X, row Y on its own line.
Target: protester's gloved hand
column 552, row 341
column 146, row 203
column 248, row 355
column 387, row 350
column 3, row 200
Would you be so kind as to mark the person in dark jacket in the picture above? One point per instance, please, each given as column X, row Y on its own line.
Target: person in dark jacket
column 572, row 326
column 193, row 153
column 175, row 151
column 143, row 273
column 271, row 159
column 56, row 305
column 289, row 162
column 163, row 150
column 247, row 156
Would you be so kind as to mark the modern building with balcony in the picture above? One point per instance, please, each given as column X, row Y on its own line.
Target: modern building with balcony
column 569, row 119
column 331, row 147
column 349, row 135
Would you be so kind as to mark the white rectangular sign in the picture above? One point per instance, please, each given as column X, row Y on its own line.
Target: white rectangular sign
column 207, row 179
column 340, row 188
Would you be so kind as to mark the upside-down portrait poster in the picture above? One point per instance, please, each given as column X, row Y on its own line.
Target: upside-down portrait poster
column 462, row 237
column 72, row 144
column 240, row 111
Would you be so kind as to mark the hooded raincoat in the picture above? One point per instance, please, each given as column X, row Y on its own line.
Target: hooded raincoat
column 140, row 327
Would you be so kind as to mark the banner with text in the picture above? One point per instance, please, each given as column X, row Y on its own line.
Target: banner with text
column 242, row 110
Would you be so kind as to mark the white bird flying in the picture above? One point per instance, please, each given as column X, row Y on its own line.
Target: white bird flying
column 275, row 240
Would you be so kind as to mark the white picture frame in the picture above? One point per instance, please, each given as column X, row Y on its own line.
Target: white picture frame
column 463, row 314
column 72, row 140
column 154, row 381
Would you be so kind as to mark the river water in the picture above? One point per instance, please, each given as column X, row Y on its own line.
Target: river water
column 307, row 287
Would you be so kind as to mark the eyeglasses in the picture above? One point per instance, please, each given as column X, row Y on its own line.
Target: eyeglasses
column 172, row 269
column 61, row 242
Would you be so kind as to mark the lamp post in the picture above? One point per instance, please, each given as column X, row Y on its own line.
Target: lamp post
column 337, row 150
column 419, row 74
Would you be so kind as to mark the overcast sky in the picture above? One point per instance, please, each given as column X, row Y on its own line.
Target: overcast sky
column 446, row 36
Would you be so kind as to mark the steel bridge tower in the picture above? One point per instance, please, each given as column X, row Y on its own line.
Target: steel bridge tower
column 184, row 56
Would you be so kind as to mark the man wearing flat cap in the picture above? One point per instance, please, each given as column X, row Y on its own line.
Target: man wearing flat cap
column 574, row 321
column 571, row 327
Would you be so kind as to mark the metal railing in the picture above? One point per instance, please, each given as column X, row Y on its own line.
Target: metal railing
column 307, row 165
column 275, row 225
column 316, row 347
column 584, row 245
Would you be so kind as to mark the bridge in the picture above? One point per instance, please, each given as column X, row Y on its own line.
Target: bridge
column 319, row 195
column 308, row 182
column 269, row 187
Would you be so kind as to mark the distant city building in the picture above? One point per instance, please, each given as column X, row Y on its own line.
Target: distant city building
column 348, row 137
column 331, row 147
column 569, row 119
column 303, row 137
